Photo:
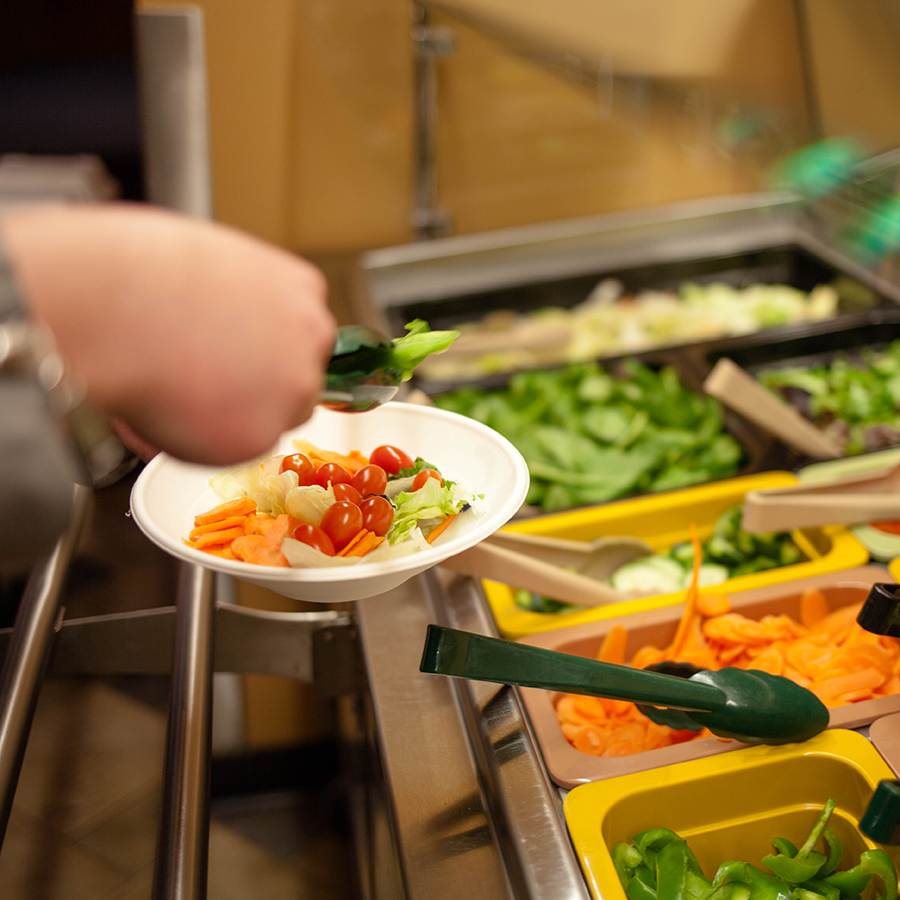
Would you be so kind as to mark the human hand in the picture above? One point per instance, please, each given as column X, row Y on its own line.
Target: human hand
column 206, row 342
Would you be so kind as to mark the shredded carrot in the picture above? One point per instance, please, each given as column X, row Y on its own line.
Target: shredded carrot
column 690, row 600
column 240, row 507
column 438, row 530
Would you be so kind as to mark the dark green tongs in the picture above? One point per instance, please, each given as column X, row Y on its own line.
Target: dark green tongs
column 367, row 368
column 753, row 707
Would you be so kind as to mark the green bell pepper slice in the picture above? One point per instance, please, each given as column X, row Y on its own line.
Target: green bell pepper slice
column 797, row 869
column 806, row 863
column 763, row 886
column 835, row 853
column 850, row 882
column 817, row 886
column 871, row 862
column 678, row 874
column 626, row 859
column 642, row 886
column 650, row 842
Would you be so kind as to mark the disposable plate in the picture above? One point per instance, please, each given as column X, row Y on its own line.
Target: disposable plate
column 169, row 493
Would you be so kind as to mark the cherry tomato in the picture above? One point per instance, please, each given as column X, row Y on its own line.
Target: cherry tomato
column 346, row 492
column 370, row 480
column 423, row 476
column 391, row 459
column 334, row 473
column 302, row 465
column 377, row 514
column 315, row 537
column 342, row 520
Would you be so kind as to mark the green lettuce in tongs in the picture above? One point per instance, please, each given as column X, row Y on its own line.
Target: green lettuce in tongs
column 364, row 357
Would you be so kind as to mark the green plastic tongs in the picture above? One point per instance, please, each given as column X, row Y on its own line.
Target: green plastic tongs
column 753, row 707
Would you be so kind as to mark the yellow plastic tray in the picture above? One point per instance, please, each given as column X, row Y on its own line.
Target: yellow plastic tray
column 881, row 545
column 663, row 520
column 730, row 806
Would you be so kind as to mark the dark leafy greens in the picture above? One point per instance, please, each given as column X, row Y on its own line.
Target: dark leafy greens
column 589, row 436
column 856, row 401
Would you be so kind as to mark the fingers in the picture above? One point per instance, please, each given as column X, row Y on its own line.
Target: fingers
column 209, row 343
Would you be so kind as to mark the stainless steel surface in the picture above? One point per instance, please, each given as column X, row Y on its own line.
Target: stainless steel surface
column 473, row 811
column 175, row 109
column 247, row 640
column 183, row 846
column 517, row 256
column 697, row 229
column 23, row 667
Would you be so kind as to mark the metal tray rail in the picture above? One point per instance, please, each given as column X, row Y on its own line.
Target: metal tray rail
column 472, row 810
column 189, row 640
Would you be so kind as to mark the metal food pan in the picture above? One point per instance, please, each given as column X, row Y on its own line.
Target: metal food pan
column 790, row 264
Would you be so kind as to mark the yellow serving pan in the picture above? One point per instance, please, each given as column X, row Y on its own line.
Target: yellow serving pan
column 663, row 520
column 731, row 806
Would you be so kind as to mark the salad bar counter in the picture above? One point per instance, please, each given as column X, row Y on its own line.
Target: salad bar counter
column 470, row 788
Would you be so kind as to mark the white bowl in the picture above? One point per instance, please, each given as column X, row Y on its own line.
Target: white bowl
column 169, row 493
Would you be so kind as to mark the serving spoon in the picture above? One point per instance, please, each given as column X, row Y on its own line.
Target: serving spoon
column 753, row 707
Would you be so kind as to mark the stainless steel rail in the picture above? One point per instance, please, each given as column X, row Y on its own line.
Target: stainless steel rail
column 183, row 846
column 26, row 658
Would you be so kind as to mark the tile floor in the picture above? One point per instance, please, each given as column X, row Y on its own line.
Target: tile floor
column 85, row 815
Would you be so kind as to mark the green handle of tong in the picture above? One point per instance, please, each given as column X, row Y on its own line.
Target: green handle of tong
column 480, row 658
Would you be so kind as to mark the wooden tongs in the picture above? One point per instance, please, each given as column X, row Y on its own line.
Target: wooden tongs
column 733, row 387
column 571, row 571
column 850, row 500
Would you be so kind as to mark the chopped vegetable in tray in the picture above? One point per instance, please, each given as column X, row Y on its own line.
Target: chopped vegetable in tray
column 321, row 508
column 610, row 323
column 854, row 400
column 658, row 864
column 826, row 652
column 589, row 436
column 728, row 553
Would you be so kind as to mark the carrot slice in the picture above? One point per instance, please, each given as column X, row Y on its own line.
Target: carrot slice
column 268, row 551
column 216, row 537
column 243, row 547
column 368, row 543
column 813, row 607
column 709, row 605
column 438, row 530
column 345, row 550
column 221, row 525
column 240, row 507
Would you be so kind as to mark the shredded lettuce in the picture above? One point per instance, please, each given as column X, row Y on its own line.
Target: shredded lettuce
column 424, row 508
